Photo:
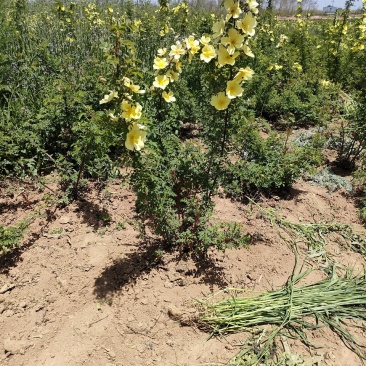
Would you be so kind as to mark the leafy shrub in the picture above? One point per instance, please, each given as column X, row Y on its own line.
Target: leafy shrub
column 359, row 187
column 267, row 164
column 173, row 188
column 11, row 236
column 350, row 142
column 290, row 103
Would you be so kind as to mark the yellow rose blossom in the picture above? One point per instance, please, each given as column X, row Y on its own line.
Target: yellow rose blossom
column 112, row 117
column 232, row 41
column 247, row 51
column 172, row 75
column 220, row 101
column 135, row 139
column 136, row 89
column 130, row 111
column 233, row 89
column 275, row 66
column 232, row 8
column 177, row 50
column 225, row 58
column 244, row 74
column 218, row 28
column 325, row 83
column 252, row 4
column 108, row 97
column 169, row 97
column 208, row 53
column 126, row 81
column 297, row 66
column 161, row 81
column 357, row 47
column 205, row 40
column 160, row 63
column 178, row 66
column 191, row 43
column 247, row 24
column 161, row 51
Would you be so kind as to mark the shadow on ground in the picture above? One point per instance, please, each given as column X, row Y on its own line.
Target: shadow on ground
column 11, row 259
column 151, row 255
column 92, row 214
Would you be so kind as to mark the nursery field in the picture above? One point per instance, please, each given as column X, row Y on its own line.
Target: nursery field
column 181, row 184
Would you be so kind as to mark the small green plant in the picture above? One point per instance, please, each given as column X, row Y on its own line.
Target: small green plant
column 57, row 230
column 121, row 225
column 101, row 231
column 11, row 236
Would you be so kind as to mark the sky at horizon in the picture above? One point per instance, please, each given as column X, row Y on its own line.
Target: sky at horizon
column 338, row 3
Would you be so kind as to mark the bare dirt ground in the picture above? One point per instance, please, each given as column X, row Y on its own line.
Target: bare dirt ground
column 84, row 289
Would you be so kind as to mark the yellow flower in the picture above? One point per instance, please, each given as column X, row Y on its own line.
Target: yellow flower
column 108, row 97
column 130, row 111
column 233, row 89
column 205, row 40
column 172, row 75
column 325, row 83
column 252, row 4
column 247, row 50
column 135, row 139
column 192, row 43
column 160, row 63
column 177, row 50
column 247, row 24
column 169, row 97
column 357, row 47
column 218, row 28
column 225, row 58
column 232, row 8
column 208, row 53
column 161, row 81
column 161, row 51
column 178, row 66
column 220, row 101
column 244, row 74
column 113, row 117
column 193, row 47
column 275, row 66
column 136, row 89
column 233, row 41
column 297, row 66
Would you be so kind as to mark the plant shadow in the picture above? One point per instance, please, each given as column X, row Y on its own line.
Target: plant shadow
column 13, row 257
column 92, row 215
column 148, row 256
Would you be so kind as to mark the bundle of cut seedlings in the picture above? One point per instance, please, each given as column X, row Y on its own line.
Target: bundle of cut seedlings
column 336, row 302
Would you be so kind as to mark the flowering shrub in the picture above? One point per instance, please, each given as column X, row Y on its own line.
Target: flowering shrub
column 174, row 182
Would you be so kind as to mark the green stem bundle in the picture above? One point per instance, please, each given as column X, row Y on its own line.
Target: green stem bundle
column 329, row 302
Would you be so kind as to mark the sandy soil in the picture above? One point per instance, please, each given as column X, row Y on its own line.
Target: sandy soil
column 84, row 289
